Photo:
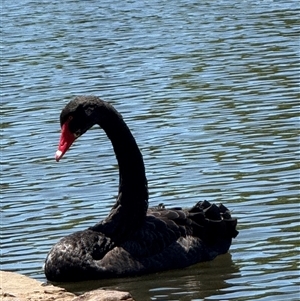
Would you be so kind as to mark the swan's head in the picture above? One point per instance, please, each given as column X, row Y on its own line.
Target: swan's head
column 75, row 119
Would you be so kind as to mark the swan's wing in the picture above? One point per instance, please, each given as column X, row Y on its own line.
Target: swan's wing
column 163, row 227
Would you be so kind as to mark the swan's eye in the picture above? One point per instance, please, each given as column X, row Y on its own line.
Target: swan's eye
column 77, row 134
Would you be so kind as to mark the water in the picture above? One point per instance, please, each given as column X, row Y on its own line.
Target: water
column 210, row 91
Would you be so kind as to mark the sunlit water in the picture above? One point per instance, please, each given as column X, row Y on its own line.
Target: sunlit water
column 210, row 90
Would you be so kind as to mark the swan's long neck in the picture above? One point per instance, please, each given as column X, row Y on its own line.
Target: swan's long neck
column 131, row 206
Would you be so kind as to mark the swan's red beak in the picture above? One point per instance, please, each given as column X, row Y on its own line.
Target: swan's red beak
column 66, row 140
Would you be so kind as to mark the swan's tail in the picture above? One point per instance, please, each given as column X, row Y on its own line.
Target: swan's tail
column 213, row 223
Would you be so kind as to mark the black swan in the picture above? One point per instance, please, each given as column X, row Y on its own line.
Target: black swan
column 133, row 239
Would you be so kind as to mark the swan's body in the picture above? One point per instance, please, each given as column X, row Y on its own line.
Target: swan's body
column 133, row 239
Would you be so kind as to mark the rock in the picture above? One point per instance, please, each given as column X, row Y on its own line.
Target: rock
column 16, row 287
column 104, row 295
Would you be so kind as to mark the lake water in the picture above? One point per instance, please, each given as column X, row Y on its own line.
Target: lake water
column 210, row 90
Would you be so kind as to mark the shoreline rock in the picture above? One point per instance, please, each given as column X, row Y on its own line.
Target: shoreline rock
column 16, row 287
